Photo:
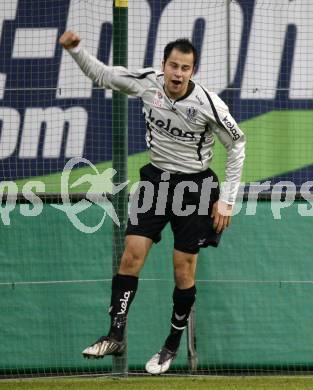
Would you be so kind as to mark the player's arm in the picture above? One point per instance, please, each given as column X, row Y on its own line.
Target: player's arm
column 117, row 78
column 233, row 139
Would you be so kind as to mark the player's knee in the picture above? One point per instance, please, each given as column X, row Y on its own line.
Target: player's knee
column 131, row 262
column 184, row 280
column 184, row 276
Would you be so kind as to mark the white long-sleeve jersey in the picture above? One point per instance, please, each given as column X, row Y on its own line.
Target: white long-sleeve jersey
column 180, row 133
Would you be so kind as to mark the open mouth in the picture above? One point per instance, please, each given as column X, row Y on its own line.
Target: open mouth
column 176, row 82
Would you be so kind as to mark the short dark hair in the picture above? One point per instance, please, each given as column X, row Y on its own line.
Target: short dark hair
column 184, row 46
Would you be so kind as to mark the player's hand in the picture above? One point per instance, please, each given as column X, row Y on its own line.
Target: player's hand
column 69, row 40
column 221, row 214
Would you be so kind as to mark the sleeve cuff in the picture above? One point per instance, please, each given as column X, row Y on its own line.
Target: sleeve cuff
column 75, row 49
column 224, row 198
column 229, row 192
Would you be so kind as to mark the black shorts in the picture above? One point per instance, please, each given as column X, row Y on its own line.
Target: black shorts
column 184, row 200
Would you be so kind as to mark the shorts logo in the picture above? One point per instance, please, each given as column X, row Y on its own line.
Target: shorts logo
column 191, row 114
column 158, row 99
column 201, row 241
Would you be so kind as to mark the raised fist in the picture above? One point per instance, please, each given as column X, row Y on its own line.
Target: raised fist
column 69, row 40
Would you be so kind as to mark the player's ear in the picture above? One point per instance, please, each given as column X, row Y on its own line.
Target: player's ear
column 163, row 66
column 193, row 71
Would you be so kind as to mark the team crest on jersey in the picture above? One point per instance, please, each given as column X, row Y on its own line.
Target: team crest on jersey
column 158, row 99
column 191, row 114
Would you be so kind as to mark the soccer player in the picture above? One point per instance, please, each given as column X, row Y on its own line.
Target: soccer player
column 182, row 118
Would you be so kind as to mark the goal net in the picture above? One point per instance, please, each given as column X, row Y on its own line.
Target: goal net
column 253, row 310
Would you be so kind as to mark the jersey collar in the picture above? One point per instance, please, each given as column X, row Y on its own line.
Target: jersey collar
column 191, row 87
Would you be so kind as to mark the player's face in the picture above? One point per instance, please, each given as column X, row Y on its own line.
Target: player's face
column 178, row 70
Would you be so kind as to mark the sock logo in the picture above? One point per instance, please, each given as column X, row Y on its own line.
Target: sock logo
column 124, row 302
column 179, row 318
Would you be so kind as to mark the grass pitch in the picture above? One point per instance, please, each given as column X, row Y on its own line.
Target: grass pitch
column 163, row 383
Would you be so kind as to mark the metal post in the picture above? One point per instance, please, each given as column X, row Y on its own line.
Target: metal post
column 228, row 42
column 191, row 341
column 119, row 149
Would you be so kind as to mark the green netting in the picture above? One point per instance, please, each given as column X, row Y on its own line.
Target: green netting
column 254, row 307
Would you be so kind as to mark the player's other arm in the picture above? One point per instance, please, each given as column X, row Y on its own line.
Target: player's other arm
column 233, row 139
column 117, row 77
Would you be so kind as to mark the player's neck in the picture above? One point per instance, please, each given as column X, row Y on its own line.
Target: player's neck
column 185, row 92
column 174, row 96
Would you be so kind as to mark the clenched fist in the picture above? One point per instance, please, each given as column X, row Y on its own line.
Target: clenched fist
column 69, row 40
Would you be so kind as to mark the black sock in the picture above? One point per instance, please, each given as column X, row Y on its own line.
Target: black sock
column 124, row 288
column 183, row 299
